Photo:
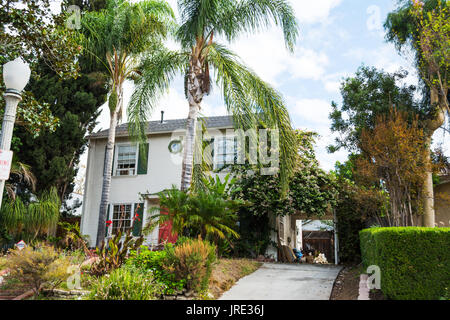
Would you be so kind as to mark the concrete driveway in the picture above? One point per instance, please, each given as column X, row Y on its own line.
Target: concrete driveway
column 274, row 281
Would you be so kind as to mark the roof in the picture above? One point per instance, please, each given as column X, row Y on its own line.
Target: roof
column 167, row 126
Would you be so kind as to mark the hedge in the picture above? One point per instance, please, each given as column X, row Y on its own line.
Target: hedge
column 414, row 262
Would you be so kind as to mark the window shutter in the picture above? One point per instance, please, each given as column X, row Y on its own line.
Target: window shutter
column 138, row 219
column 143, row 159
column 107, row 218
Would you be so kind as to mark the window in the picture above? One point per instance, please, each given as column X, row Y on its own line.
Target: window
column 126, row 160
column 122, row 217
column 226, row 151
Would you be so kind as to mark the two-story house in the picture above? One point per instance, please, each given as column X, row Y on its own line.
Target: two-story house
column 136, row 178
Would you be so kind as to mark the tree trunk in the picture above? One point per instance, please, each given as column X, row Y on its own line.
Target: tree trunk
column 188, row 152
column 427, row 190
column 106, row 186
column 195, row 95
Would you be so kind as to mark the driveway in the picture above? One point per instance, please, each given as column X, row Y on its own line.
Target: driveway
column 275, row 281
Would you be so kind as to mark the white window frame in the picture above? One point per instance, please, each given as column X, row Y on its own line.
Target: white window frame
column 111, row 216
column 217, row 147
column 116, row 158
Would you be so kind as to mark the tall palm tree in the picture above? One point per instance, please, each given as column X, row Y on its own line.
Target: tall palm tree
column 115, row 38
column 252, row 102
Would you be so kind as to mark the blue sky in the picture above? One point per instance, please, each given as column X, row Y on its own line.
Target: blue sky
column 337, row 36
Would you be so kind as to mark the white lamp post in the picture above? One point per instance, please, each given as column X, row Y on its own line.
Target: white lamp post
column 16, row 74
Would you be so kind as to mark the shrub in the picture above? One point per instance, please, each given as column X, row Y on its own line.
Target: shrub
column 153, row 261
column 113, row 255
column 414, row 262
column 192, row 261
column 126, row 283
column 41, row 267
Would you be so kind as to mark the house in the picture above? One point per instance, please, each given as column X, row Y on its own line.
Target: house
column 137, row 177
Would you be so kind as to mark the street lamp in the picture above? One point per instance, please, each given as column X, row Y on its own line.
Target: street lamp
column 16, row 74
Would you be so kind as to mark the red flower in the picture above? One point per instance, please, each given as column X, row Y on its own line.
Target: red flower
column 108, row 223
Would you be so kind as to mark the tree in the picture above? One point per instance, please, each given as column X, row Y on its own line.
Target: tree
column 365, row 96
column 54, row 155
column 252, row 101
column 424, row 26
column 30, row 30
column 312, row 192
column 394, row 153
column 116, row 38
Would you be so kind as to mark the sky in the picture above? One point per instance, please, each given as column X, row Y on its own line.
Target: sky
column 336, row 37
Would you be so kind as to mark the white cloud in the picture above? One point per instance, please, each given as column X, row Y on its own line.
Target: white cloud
column 307, row 64
column 308, row 11
column 312, row 111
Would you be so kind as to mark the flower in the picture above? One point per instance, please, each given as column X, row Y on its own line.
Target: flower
column 108, row 223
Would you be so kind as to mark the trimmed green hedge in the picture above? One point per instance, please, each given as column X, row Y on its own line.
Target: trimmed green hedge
column 414, row 262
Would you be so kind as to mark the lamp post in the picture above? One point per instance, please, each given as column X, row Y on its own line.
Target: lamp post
column 16, row 74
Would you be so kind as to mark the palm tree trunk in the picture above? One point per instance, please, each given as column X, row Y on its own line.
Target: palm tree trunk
column 195, row 96
column 188, row 152
column 107, row 172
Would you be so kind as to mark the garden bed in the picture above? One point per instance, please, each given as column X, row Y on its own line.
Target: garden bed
column 227, row 271
column 346, row 285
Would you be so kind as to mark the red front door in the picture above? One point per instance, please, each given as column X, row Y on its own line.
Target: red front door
column 165, row 232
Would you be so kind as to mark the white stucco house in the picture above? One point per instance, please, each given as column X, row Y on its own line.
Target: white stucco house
column 134, row 179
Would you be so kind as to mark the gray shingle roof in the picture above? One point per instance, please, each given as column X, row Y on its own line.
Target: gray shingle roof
column 167, row 126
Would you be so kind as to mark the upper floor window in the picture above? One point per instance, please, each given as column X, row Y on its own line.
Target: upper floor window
column 225, row 151
column 126, row 160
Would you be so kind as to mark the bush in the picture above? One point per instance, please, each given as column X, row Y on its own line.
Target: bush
column 126, row 283
column 41, row 267
column 192, row 261
column 113, row 254
column 414, row 262
column 153, row 261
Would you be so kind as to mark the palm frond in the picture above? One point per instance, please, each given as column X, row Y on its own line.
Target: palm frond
column 157, row 70
column 254, row 104
column 251, row 16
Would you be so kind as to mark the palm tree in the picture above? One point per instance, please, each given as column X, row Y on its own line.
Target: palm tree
column 115, row 38
column 210, row 213
column 252, row 102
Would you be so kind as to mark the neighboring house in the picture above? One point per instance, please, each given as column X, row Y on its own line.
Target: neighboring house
column 442, row 202
column 137, row 177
